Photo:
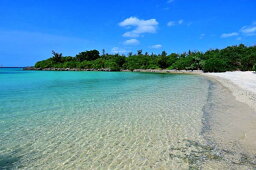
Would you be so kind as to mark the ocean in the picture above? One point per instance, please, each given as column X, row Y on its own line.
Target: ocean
column 107, row 120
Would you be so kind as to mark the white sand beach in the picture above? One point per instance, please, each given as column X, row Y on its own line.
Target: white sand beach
column 241, row 84
column 236, row 123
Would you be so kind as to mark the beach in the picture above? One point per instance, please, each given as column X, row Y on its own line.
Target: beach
column 128, row 85
column 232, row 117
column 241, row 84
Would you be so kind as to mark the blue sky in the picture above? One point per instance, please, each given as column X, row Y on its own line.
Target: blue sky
column 30, row 29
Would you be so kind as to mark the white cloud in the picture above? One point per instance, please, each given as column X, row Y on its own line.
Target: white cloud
column 180, row 21
column 249, row 30
column 117, row 50
column 141, row 26
column 157, row 46
column 131, row 42
column 173, row 23
column 227, row 35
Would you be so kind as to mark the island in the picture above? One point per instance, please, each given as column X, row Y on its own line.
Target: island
column 231, row 58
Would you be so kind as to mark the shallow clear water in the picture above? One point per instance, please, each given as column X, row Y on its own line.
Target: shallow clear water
column 89, row 120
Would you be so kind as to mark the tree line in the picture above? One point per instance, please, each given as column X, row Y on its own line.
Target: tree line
column 231, row 58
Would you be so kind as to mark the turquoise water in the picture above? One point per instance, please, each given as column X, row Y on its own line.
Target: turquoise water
column 98, row 120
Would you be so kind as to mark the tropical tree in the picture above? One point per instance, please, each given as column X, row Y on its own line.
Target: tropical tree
column 230, row 58
column 88, row 55
column 56, row 56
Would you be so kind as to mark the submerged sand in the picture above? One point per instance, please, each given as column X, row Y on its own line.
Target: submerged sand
column 156, row 126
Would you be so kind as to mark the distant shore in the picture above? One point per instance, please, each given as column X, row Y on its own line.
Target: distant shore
column 106, row 69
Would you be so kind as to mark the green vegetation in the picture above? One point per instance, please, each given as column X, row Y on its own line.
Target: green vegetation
column 228, row 59
column 254, row 68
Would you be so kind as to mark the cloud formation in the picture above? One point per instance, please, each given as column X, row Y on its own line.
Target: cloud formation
column 131, row 42
column 227, row 35
column 140, row 26
column 156, row 46
column 117, row 50
column 173, row 23
column 249, row 30
column 180, row 21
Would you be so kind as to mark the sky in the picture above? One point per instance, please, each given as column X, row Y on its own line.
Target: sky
column 31, row 29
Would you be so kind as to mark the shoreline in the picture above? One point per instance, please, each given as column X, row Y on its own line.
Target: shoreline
column 109, row 70
column 241, row 92
column 229, row 125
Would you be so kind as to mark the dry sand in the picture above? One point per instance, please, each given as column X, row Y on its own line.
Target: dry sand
column 241, row 84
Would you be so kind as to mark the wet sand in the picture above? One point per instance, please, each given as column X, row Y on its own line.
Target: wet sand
column 241, row 84
column 230, row 123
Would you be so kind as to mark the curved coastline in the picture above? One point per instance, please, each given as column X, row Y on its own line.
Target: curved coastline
column 241, row 93
column 221, row 144
column 228, row 121
column 234, row 107
column 109, row 70
column 228, row 127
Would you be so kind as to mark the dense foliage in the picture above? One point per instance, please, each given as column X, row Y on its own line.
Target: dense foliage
column 228, row 59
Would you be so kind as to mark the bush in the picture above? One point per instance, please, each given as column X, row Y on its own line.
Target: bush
column 254, row 67
column 152, row 66
column 247, row 62
column 88, row 55
column 44, row 64
column 98, row 64
column 216, row 65
column 183, row 63
column 70, row 64
column 136, row 62
column 112, row 65
column 85, row 65
column 58, row 65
